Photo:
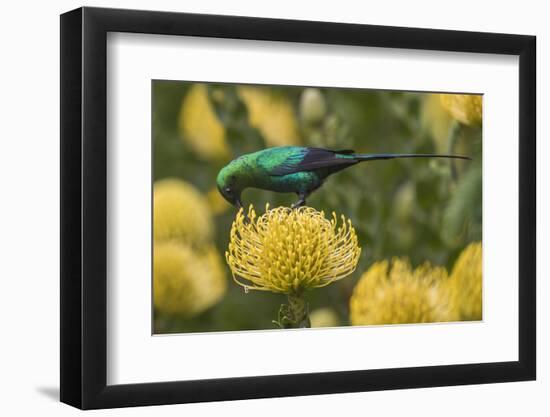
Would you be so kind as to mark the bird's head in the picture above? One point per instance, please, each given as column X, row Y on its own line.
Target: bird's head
column 227, row 182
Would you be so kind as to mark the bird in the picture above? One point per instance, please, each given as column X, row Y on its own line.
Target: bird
column 293, row 169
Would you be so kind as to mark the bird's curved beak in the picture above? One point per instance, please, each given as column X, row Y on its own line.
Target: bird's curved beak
column 239, row 206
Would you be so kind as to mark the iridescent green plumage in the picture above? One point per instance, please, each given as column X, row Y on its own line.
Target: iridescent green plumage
column 292, row 169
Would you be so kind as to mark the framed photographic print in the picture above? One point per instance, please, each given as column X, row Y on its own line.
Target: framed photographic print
column 257, row 207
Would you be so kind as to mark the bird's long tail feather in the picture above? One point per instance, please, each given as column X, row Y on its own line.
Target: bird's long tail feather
column 376, row 156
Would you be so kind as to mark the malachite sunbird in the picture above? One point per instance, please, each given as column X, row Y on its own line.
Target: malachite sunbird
column 293, row 169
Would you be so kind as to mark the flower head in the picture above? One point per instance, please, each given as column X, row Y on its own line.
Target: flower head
column 180, row 212
column 395, row 293
column 186, row 281
column 271, row 114
column 465, row 284
column 199, row 125
column 466, row 108
column 290, row 250
column 188, row 274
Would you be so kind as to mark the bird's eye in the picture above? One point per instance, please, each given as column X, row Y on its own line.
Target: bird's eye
column 228, row 190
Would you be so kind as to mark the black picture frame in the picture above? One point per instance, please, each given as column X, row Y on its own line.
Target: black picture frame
column 84, row 207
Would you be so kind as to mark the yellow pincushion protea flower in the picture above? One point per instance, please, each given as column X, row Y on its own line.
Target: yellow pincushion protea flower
column 465, row 285
column 290, row 250
column 180, row 212
column 186, row 281
column 466, row 108
column 271, row 114
column 200, row 127
column 397, row 294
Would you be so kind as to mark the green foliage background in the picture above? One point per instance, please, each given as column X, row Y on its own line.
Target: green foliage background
column 424, row 209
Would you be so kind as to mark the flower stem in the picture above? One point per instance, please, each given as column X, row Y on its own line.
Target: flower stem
column 295, row 314
column 299, row 309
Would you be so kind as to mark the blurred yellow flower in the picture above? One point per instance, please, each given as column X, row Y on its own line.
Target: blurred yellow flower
column 324, row 317
column 436, row 120
column 465, row 284
column 180, row 212
column 186, row 281
column 290, row 250
column 466, row 108
column 199, row 125
column 396, row 294
column 271, row 114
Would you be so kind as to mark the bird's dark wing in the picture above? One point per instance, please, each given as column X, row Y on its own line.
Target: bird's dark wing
column 313, row 158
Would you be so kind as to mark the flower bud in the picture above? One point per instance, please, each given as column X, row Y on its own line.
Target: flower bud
column 312, row 106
